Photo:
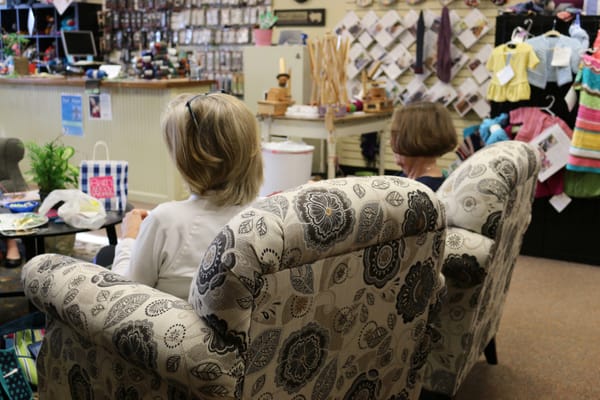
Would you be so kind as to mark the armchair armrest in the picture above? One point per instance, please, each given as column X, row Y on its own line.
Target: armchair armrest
column 466, row 258
column 149, row 329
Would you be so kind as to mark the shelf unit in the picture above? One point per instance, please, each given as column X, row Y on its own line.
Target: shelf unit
column 48, row 22
column 212, row 32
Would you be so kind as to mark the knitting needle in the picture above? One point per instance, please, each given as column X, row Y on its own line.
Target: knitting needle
column 12, row 372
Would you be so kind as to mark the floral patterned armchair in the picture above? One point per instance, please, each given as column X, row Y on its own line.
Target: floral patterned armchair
column 488, row 203
column 324, row 291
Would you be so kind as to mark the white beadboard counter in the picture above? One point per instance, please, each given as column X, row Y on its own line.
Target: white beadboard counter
column 30, row 109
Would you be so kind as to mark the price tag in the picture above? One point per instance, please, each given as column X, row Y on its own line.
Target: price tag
column 560, row 201
column 561, row 57
column 505, row 75
column 571, row 98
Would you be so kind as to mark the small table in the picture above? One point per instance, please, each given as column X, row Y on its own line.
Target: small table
column 34, row 243
column 316, row 128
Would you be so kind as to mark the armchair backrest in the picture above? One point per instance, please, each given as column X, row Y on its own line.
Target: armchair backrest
column 488, row 204
column 12, row 152
column 324, row 291
column 481, row 193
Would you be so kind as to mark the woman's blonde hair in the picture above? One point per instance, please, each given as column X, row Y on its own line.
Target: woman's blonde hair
column 215, row 144
column 422, row 129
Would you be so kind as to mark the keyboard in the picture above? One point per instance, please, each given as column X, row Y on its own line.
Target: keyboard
column 85, row 63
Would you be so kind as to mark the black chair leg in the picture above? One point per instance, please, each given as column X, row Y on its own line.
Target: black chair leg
column 105, row 256
column 429, row 395
column 490, row 352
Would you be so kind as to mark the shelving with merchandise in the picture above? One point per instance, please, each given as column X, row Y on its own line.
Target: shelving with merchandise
column 212, row 33
column 45, row 37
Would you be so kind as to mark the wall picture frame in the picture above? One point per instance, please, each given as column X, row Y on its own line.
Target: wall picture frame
column 301, row 17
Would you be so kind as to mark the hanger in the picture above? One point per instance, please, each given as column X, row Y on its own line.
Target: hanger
column 549, row 106
column 520, row 33
column 553, row 31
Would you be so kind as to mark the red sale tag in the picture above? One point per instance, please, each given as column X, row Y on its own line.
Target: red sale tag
column 102, row 187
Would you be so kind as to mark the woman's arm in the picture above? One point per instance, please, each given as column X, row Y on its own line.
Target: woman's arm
column 138, row 257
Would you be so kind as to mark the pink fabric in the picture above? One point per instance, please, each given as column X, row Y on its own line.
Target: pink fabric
column 587, row 113
column 584, row 162
column 592, row 61
column 596, row 46
column 551, row 186
column 534, row 121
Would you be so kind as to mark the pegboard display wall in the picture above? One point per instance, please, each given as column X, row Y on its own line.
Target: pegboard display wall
column 384, row 32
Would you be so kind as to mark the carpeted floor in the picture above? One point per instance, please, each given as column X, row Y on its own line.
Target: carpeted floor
column 85, row 250
column 547, row 338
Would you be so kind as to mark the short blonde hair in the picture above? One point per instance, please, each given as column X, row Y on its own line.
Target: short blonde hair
column 422, row 129
column 215, row 144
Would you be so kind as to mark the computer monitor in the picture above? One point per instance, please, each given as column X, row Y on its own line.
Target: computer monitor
column 78, row 44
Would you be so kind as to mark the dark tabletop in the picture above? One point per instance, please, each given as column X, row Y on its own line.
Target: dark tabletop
column 34, row 242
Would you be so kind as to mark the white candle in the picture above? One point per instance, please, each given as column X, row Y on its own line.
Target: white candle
column 282, row 66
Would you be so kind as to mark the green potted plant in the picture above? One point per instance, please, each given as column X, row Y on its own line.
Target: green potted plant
column 263, row 32
column 50, row 168
column 12, row 43
column 12, row 47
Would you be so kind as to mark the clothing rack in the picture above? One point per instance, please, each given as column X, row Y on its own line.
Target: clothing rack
column 505, row 25
column 569, row 235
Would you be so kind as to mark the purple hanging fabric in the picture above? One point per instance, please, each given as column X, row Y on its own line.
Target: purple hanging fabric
column 444, row 60
column 418, row 67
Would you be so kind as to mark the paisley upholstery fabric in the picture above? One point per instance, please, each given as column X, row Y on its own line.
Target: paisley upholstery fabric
column 488, row 204
column 325, row 291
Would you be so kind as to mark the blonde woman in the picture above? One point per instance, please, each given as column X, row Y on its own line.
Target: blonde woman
column 421, row 133
column 213, row 140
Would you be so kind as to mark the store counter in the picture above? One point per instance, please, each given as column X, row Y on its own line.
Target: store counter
column 30, row 109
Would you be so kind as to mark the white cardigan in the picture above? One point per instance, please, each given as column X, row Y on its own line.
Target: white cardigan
column 171, row 243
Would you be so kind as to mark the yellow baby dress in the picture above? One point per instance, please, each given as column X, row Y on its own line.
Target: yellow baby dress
column 520, row 57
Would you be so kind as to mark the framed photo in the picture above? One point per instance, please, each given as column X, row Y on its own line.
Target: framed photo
column 304, row 17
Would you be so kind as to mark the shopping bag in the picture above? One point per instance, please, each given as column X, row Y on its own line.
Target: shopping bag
column 19, row 342
column 105, row 179
column 17, row 361
column 13, row 385
column 78, row 209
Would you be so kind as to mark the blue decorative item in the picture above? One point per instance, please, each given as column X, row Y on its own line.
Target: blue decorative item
column 484, row 128
column 67, row 24
column 95, row 74
column 22, row 206
column 497, row 134
column 469, row 130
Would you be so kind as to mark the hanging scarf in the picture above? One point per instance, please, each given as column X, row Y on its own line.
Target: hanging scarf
column 418, row 67
column 444, row 60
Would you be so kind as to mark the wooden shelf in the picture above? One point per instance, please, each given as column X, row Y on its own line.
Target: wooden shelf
column 58, row 80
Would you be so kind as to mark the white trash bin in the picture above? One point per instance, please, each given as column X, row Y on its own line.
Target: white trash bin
column 286, row 165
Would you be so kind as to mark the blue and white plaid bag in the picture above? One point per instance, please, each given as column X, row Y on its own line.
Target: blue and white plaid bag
column 105, row 180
